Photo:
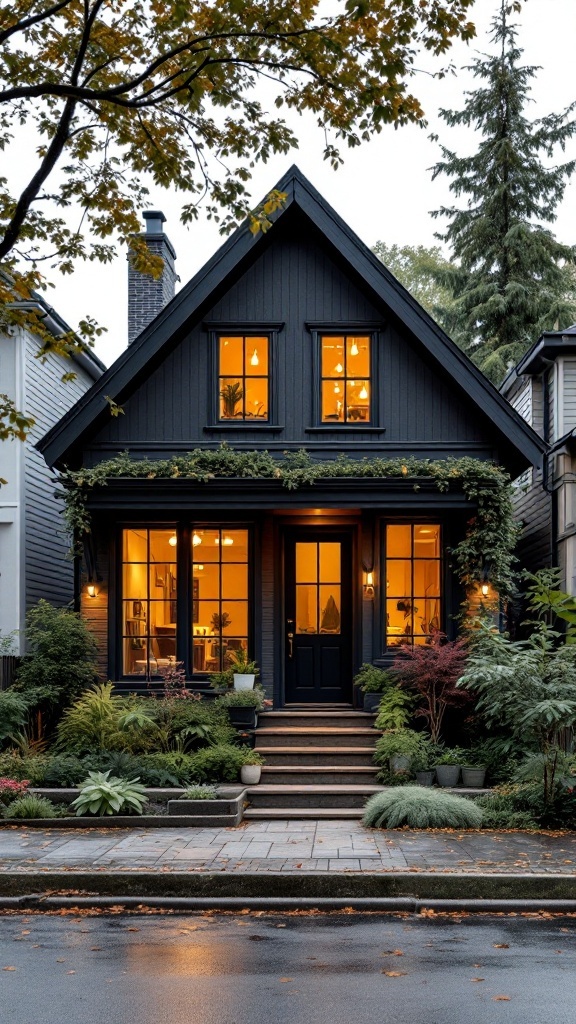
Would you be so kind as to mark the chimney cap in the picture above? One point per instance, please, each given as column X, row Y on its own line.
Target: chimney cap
column 154, row 221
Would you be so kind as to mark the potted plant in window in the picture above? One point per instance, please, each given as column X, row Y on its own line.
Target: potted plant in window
column 243, row 670
column 251, row 768
column 373, row 682
column 231, row 395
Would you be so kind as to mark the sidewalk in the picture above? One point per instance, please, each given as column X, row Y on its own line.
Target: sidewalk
column 299, row 847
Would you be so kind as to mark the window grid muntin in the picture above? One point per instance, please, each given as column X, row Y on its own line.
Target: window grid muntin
column 151, row 663
column 389, row 598
column 222, row 378
column 218, row 641
column 345, row 378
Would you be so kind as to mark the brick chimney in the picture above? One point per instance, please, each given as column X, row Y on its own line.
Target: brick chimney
column 147, row 296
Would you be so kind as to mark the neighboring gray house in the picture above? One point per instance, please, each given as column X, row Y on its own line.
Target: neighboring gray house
column 33, row 543
column 542, row 388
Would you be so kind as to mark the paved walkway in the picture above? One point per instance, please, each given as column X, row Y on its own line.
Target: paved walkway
column 291, row 846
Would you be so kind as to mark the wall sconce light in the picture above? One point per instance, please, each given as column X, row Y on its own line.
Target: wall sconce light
column 369, row 586
column 91, row 590
column 485, row 588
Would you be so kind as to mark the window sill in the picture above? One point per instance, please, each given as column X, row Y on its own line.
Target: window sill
column 345, row 428
column 235, row 428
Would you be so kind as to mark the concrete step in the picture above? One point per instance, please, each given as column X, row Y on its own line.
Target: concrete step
column 304, row 775
column 310, row 796
column 302, row 737
column 303, row 813
column 315, row 720
column 321, row 756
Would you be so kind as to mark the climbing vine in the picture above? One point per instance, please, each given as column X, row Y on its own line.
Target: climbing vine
column 491, row 532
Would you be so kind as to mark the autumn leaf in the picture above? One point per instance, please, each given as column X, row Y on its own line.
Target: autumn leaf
column 8, row 968
column 394, row 974
column 501, row 999
column 286, row 979
column 501, row 945
column 477, row 979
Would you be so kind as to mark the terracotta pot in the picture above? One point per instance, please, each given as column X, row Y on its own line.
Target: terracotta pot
column 250, row 774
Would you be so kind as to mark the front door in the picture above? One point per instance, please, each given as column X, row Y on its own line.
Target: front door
column 318, row 617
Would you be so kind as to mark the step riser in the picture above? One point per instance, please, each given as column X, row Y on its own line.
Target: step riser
column 279, row 720
column 313, row 739
column 319, row 778
column 319, row 759
column 281, row 800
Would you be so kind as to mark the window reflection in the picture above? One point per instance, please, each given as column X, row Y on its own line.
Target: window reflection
column 413, row 583
column 345, row 385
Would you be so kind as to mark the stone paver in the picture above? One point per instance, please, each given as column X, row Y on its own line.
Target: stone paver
column 286, row 846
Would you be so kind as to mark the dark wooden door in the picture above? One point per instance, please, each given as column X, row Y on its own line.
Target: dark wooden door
column 318, row 617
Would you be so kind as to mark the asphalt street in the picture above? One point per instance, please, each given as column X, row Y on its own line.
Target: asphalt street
column 286, row 969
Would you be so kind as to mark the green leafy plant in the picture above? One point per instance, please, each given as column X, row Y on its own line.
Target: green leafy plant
column 13, row 713
column 372, row 679
column 425, row 757
column 250, row 756
column 452, row 756
column 104, row 794
column 101, row 720
column 220, row 763
column 31, row 806
column 394, row 709
column 431, row 672
column 396, row 742
column 239, row 662
column 420, row 807
column 244, row 698
column 200, row 793
column 13, row 766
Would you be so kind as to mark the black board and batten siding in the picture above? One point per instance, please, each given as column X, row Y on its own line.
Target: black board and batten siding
column 297, row 282
column 49, row 571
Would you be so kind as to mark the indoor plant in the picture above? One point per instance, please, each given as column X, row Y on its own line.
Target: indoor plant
column 373, row 682
column 251, row 767
column 449, row 765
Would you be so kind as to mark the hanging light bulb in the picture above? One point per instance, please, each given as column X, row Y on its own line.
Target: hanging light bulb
column 336, row 388
column 338, row 368
column 254, row 361
column 354, row 348
column 198, row 567
column 173, row 541
column 227, row 540
column 196, row 539
column 363, row 393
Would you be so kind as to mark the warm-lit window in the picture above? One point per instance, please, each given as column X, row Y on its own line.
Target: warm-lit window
column 345, row 378
column 148, row 600
column 219, row 596
column 413, row 583
column 243, row 376
column 318, row 582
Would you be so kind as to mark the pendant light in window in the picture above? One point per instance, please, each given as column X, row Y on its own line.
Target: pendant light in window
column 227, row 540
column 196, row 539
column 354, row 348
column 254, row 361
column 363, row 393
column 338, row 368
column 173, row 540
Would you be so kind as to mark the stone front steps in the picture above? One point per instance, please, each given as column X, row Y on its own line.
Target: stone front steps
column 318, row 764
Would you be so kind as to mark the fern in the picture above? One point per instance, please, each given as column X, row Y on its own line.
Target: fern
column 417, row 807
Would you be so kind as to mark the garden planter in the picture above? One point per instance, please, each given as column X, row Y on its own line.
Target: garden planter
column 447, row 775
column 400, row 762
column 243, row 718
column 371, row 702
column 243, row 681
column 250, row 774
column 473, row 778
column 424, row 778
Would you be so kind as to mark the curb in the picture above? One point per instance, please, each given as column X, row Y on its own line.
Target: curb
column 465, row 888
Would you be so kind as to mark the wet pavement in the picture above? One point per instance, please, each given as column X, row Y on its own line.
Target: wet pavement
column 296, row 968
column 292, row 846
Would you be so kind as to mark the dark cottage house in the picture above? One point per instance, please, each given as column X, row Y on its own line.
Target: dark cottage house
column 298, row 338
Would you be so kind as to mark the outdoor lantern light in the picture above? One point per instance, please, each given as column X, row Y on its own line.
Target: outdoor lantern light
column 369, row 585
column 91, row 590
column 485, row 589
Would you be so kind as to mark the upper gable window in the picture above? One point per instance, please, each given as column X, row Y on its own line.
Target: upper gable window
column 243, row 378
column 345, row 378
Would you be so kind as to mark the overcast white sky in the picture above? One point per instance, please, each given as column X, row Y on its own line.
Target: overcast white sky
column 384, row 191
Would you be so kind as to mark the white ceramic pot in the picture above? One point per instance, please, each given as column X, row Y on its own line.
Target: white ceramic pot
column 244, row 682
column 250, row 774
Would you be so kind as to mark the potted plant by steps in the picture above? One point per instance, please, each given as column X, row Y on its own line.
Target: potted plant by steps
column 372, row 682
column 243, row 670
column 251, row 769
column 396, row 749
column 424, row 760
column 449, row 765
column 473, row 776
column 243, row 706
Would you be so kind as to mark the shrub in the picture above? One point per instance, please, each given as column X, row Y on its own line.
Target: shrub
column 394, row 709
column 372, row 679
column 217, row 764
column 200, row 793
column 13, row 713
column 63, row 770
column 12, row 766
column 419, row 807
column 31, row 806
column 243, row 698
column 185, row 725
column 499, row 810
column 102, row 793
column 99, row 720
column 453, row 756
column 397, row 741
column 62, row 659
column 431, row 671
column 11, row 789
column 170, row 769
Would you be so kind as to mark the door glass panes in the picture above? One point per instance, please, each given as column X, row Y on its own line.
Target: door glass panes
column 318, row 582
column 346, row 379
column 148, row 601
column 243, row 377
column 413, row 583
column 219, row 596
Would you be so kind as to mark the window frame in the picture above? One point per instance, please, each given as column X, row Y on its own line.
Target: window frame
column 245, row 329
column 386, row 649
column 318, row 330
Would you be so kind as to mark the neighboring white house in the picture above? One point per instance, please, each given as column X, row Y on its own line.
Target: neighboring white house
column 34, row 560
column 542, row 388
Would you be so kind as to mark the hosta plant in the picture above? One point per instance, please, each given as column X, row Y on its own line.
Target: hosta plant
column 31, row 806
column 102, row 794
column 420, row 807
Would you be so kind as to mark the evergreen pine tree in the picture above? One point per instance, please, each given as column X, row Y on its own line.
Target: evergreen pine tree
column 514, row 279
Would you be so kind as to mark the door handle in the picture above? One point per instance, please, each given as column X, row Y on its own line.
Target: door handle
column 290, row 645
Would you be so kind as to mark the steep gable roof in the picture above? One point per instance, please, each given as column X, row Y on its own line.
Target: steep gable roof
column 88, row 415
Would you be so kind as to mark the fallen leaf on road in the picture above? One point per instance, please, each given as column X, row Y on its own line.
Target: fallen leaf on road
column 394, row 974
column 286, row 979
column 501, row 999
column 501, row 945
column 477, row 979
column 70, row 972
column 95, row 949
column 8, row 968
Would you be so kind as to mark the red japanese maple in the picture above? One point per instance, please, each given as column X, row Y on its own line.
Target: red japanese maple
column 431, row 671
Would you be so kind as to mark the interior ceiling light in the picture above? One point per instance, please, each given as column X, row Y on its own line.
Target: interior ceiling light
column 196, row 539
column 198, row 567
column 363, row 393
column 338, row 368
column 336, row 389
column 254, row 361
column 173, row 541
column 226, row 540
column 354, row 348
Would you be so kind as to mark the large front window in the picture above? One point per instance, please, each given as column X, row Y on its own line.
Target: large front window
column 413, row 583
column 219, row 596
column 148, row 600
column 243, row 391
column 345, row 373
